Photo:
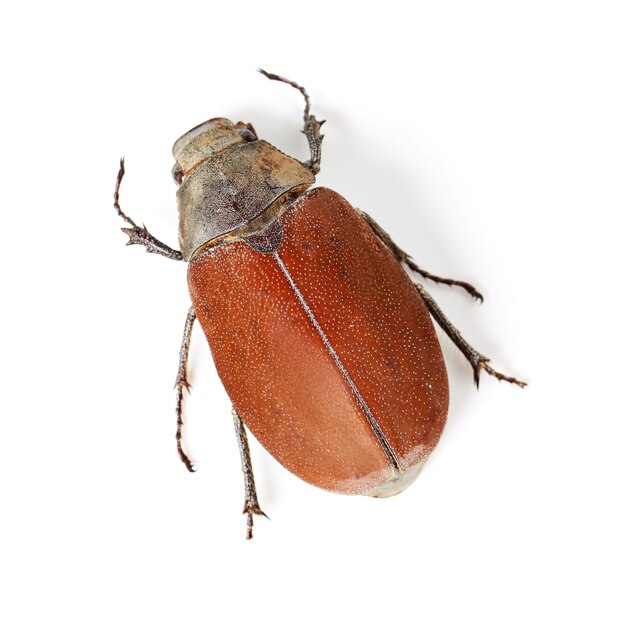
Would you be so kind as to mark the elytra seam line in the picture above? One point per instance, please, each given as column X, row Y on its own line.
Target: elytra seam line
column 382, row 439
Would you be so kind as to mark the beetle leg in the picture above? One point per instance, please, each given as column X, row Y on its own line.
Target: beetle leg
column 251, row 503
column 139, row 235
column 181, row 385
column 404, row 258
column 477, row 361
column 312, row 126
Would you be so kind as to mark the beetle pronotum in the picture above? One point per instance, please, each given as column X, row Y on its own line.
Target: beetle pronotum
column 324, row 344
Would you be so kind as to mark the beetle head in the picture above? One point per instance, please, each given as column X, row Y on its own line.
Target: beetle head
column 205, row 140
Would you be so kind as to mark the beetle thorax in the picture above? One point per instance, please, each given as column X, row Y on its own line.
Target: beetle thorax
column 228, row 180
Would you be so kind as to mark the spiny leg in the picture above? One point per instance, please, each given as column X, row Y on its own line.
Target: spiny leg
column 181, row 384
column 139, row 235
column 477, row 361
column 404, row 258
column 251, row 502
column 312, row 126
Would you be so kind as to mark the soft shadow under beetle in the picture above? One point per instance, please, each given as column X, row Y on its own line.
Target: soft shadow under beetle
column 322, row 341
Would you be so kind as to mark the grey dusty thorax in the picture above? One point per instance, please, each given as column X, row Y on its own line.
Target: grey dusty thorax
column 227, row 182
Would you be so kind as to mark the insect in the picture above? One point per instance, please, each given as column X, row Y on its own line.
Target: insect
column 323, row 342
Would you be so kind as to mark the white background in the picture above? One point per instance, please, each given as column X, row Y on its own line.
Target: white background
column 487, row 137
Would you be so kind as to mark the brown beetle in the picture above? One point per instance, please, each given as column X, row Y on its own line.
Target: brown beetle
column 322, row 341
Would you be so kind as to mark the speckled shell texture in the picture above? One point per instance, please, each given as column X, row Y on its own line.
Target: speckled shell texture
column 277, row 369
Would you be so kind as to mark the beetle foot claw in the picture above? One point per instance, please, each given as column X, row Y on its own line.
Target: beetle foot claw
column 185, row 459
column 179, row 445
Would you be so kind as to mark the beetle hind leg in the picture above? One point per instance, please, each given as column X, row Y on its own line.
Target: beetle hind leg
column 181, row 385
column 312, row 126
column 477, row 361
column 251, row 502
column 404, row 258
column 139, row 235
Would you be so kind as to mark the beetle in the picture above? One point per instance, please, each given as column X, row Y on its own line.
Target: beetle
column 323, row 342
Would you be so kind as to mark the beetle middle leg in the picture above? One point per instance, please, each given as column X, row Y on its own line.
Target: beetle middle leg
column 181, row 385
column 251, row 503
column 312, row 126
column 404, row 258
column 477, row 361
column 139, row 235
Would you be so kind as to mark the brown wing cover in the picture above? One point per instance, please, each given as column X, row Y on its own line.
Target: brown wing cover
column 281, row 376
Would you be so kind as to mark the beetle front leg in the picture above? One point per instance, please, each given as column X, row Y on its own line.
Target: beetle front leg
column 139, row 235
column 181, row 385
column 477, row 361
column 251, row 503
column 312, row 126
column 404, row 258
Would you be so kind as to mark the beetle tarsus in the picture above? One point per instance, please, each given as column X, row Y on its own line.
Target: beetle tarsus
column 312, row 126
column 139, row 235
column 504, row 377
column 182, row 384
column 442, row 280
column 179, row 428
column 251, row 502
column 477, row 361
column 404, row 258
column 251, row 511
